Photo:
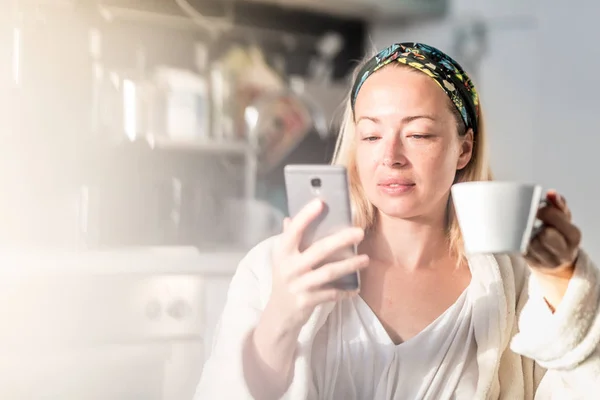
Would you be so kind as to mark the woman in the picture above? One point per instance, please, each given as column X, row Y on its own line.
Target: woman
column 428, row 323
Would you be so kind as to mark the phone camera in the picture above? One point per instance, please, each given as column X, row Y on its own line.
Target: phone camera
column 315, row 182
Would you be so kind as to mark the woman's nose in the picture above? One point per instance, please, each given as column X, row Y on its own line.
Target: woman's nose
column 393, row 153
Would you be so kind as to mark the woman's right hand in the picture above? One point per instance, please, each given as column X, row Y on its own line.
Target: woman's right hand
column 299, row 281
column 299, row 285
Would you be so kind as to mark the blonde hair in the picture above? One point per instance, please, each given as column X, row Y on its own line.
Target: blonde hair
column 364, row 214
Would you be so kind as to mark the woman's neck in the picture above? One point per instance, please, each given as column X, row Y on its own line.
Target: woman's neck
column 409, row 244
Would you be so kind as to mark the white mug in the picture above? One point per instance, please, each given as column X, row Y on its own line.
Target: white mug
column 496, row 217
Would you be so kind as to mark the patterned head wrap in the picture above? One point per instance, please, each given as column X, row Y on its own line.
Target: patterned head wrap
column 446, row 72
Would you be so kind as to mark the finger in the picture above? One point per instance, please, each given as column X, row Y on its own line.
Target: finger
column 558, row 201
column 286, row 224
column 539, row 257
column 322, row 249
column 565, row 207
column 300, row 222
column 555, row 218
column 530, row 255
column 556, row 244
column 319, row 252
column 328, row 273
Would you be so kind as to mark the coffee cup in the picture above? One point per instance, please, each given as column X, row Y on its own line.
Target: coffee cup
column 497, row 217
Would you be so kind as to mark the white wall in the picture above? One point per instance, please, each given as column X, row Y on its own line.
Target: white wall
column 539, row 89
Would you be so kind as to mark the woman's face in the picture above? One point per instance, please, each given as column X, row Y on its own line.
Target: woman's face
column 408, row 148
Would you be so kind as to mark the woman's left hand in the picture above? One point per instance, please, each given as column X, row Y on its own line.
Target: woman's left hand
column 555, row 248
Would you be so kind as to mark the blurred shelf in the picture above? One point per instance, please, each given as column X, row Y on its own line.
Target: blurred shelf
column 168, row 20
column 174, row 18
column 208, row 146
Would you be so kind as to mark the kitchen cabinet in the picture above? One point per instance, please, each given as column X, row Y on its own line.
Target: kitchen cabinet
column 119, row 324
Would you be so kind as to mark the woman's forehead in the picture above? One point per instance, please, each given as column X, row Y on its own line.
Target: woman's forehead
column 397, row 91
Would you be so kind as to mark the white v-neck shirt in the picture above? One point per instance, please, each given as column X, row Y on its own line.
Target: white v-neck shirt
column 524, row 351
column 355, row 353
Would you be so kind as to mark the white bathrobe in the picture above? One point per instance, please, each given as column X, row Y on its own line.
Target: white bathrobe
column 523, row 350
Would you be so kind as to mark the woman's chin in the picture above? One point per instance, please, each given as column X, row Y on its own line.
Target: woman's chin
column 403, row 210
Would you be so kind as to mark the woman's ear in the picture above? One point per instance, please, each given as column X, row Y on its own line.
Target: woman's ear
column 466, row 150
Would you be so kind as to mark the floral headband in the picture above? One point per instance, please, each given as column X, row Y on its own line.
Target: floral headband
column 446, row 72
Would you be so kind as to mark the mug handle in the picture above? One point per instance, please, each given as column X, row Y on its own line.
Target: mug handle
column 539, row 225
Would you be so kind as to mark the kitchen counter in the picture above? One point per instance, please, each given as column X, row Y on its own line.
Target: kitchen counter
column 154, row 260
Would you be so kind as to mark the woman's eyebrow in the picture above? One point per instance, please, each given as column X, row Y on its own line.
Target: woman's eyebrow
column 405, row 120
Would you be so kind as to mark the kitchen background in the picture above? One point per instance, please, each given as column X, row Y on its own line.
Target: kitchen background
column 143, row 144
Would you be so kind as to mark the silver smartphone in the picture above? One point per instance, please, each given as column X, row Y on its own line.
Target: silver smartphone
column 329, row 183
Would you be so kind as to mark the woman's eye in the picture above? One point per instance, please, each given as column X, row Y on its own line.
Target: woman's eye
column 420, row 136
column 370, row 138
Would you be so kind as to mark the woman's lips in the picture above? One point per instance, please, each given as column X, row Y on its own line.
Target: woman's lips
column 395, row 188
